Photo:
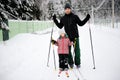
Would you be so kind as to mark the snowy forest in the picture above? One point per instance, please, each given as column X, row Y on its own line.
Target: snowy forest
column 44, row 9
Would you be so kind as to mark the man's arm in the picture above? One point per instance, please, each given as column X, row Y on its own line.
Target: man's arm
column 59, row 25
column 81, row 23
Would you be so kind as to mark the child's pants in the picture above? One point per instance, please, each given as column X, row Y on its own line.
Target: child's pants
column 63, row 61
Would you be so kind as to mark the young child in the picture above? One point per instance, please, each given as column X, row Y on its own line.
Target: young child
column 63, row 44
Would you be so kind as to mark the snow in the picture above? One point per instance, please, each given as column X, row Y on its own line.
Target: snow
column 24, row 57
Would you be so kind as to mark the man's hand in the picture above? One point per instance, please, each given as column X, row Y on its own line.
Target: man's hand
column 54, row 16
column 88, row 16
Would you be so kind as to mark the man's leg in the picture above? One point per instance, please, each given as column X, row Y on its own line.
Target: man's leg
column 77, row 52
column 70, row 58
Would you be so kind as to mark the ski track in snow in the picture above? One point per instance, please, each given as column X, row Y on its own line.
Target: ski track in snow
column 24, row 57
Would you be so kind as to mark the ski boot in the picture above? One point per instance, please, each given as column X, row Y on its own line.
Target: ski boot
column 67, row 73
column 78, row 66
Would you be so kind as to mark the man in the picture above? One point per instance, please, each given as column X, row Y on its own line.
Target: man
column 70, row 21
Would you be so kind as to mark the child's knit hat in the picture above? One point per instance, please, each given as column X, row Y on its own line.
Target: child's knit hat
column 61, row 31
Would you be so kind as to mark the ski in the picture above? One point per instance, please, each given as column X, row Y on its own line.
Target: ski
column 63, row 76
column 81, row 75
column 75, row 74
column 66, row 74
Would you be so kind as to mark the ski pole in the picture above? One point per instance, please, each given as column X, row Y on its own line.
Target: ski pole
column 74, row 48
column 92, row 46
column 50, row 45
column 54, row 57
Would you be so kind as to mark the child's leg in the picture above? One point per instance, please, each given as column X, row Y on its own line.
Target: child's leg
column 66, row 61
column 61, row 61
column 66, row 64
column 60, row 64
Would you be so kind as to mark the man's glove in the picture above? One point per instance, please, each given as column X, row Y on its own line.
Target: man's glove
column 88, row 16
column 54, row 16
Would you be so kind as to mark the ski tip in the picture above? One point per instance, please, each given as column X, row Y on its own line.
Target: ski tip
column 47, row 65
column 67, row 76
column 58, row 75
column 94, row 68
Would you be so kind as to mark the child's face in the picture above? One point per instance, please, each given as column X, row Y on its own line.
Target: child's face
column 63, row 35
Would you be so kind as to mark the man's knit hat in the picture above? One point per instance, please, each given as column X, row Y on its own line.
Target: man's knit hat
column 67, row 5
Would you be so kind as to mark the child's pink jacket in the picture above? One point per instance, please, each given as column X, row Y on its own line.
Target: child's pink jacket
column 63, row 45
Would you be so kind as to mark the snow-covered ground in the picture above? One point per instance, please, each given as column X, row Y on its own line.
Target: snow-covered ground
column 24, row 57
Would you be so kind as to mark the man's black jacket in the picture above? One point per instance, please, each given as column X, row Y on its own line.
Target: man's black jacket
column 70, row 24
